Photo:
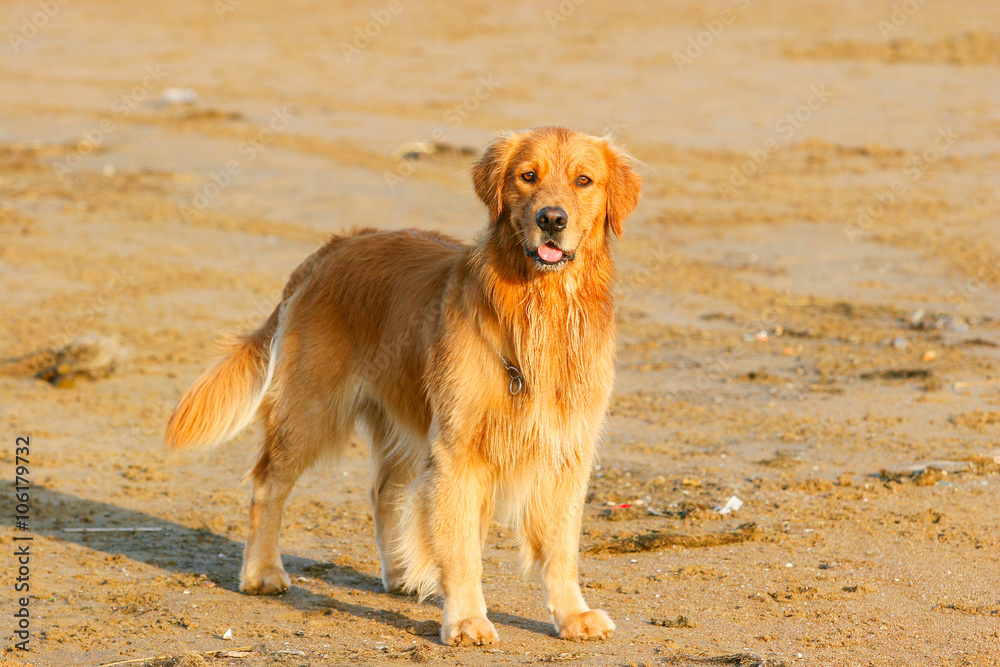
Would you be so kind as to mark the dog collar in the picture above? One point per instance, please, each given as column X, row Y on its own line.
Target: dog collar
column 516, row 382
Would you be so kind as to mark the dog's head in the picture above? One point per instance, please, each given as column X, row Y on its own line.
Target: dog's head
column 557, row 189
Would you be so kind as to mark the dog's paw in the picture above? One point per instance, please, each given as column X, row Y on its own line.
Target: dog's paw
column 392, row 582
column 475, row 631
column 269, row 581
column 593, row 624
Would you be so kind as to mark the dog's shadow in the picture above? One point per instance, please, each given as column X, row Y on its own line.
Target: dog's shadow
column 179, row 549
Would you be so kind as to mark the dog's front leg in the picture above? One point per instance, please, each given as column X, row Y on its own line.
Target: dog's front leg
column 460, row 496
column 553, row 536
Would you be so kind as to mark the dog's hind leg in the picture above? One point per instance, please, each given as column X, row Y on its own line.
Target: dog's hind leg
column 393, row 468
column 263, row 573
column 289, row 448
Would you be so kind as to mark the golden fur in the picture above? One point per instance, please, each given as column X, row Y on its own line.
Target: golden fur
column 405, row 335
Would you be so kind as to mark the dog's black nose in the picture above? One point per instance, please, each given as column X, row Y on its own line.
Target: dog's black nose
column 551, row 219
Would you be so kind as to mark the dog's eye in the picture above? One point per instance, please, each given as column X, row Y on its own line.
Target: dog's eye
column 529, row 177
column 584, row 181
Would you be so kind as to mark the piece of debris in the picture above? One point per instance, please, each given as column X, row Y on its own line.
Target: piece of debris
column 940, row 464
column 190, row 114
column 622, row 512
column 228, row 635
column 760, row 337
column 561, row 657
column 680, row 622
column 735, row 660
column 414, row 150
column 114, row 529
column 731, row 505
column 91, row 356
column 803, row 333
column 783, row 458
column 190, row 659
column 897, row 374
column 920, row 321
column 926, row 473
column 176, row 95
column 655, row 540
column 979, row 341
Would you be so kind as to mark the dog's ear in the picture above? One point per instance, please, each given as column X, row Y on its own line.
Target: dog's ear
column 490, row 170
column 622, row 190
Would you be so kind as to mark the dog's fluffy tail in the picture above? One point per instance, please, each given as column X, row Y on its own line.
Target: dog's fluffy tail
column 225, row 399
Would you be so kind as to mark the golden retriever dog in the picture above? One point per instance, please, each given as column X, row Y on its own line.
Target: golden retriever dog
column 481, row 375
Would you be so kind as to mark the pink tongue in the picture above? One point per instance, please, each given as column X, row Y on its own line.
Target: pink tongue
column 549, row 253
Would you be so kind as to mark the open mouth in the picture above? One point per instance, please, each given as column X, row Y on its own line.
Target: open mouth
column 549, row 254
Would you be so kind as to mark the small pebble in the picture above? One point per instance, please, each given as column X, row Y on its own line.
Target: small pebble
column 179, row 96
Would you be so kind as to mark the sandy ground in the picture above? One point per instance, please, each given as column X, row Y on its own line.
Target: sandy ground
column 809, row 321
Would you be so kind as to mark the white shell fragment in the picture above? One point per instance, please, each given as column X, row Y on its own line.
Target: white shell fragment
column 731, row 505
